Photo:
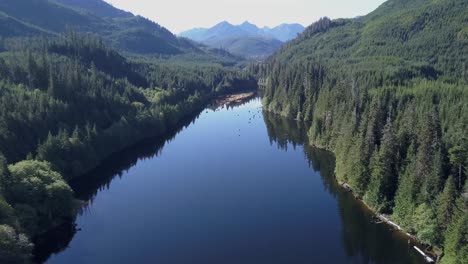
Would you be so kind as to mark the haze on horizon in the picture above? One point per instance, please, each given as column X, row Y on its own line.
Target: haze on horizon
column 181, row 15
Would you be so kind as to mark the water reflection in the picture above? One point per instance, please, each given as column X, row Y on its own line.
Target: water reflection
column 87, row 187
column 54, row 241
column 363, row 240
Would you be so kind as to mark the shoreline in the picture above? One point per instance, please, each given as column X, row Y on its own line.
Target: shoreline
column 233, row 99
column 428, row 256
column 384, row 219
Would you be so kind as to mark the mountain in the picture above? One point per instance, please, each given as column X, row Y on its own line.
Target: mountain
column 11, row 27
column 249, row 28
column 224, row 29
column 388, row 94
column 245, row 39
column 250, row 46
column 120, row 29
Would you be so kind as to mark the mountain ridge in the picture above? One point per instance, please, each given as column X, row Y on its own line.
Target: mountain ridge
column 200, row 33
column 245, row 39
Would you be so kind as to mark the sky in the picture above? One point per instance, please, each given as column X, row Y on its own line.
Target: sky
column 180, row 15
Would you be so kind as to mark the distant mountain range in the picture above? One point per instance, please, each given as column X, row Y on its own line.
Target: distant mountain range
column 245, row 39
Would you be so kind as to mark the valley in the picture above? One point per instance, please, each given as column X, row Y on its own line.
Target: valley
column 232, row 143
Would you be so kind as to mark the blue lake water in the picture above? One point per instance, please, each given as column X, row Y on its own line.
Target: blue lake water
column 234, row 186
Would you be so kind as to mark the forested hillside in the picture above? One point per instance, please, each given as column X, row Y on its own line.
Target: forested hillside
column 250, row 47
column 119, row 29
column 388, row 94
column 97, row 7
column 66, row 104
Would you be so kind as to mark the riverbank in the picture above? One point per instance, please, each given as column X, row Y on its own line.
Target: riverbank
column 428, row 256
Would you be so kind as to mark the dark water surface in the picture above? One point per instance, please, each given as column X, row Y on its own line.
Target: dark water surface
column 235, row 186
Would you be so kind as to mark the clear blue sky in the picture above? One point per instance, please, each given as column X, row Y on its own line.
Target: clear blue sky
column 180, row 15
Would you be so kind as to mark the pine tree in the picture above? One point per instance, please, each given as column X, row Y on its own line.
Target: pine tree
column 446, row 203
column 357, row 172
column 382, row 184
column 3, row 166
column 51, row 85
column 405, row 199
column 425, row 224
column 372, row 130
column 434, row 181
column 458, row 156
column 4, row 173
column 428, row 144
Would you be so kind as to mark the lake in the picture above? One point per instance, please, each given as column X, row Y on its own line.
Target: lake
column 234, row 185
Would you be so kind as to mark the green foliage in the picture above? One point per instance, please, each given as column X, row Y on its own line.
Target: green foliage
column 456, row 240
column 40, row 192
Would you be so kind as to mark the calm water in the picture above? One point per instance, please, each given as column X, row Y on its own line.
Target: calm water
column 235, row 186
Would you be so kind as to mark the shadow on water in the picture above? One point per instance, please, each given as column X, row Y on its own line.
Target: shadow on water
column 364, row 241
column 87, row 187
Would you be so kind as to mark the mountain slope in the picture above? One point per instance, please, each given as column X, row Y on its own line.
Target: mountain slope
column 10, row 27
column 97, row 7
column 388, row 94
column 123, row 30
column 48, row 15
column 394, row 31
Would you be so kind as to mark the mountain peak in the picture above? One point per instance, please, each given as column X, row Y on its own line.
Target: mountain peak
column 249, row 27
column 223, row 23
